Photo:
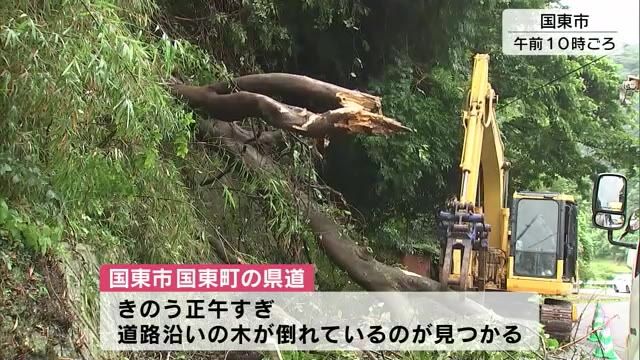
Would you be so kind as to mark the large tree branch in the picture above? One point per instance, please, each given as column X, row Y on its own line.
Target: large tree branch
column 242, row 105
column 300, row 90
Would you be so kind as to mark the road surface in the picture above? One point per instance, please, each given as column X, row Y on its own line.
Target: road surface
column 619, row 310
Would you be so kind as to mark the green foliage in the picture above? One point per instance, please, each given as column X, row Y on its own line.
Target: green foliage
column 557, row 130
column 89, row 128
column 407, row 237
column 266, row 35
column 91, row 146
column 554, row 125
column 233, row 31
column 34, row 235
column 413, row 168
column 605, row 269
column 402, row 179
column 552, row 344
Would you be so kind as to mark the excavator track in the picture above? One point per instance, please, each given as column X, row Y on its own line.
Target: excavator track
column 557, row 318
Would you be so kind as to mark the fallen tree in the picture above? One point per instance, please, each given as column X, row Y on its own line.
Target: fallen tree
column 361, row 266
column 359, row 114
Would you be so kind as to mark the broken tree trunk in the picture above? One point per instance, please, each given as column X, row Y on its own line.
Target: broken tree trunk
column 361, row 266
column 353, row 118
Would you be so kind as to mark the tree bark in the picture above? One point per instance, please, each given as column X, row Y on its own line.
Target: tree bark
column 300, row 90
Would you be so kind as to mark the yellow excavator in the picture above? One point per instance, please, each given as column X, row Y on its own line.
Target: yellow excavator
column 487, row 246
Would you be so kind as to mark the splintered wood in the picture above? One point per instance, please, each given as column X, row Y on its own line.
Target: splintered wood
column 368, row 102
column 352, row 119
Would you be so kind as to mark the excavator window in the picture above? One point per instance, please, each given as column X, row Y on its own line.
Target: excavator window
column 536, row 238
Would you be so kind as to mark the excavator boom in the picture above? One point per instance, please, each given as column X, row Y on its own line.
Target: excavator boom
column 483, row 190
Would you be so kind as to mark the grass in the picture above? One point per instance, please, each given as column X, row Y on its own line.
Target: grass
column 605, row 269
column 31, row 321
column 90, row 158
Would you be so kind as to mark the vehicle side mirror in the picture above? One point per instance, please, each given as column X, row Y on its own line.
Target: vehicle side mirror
column 609, row 201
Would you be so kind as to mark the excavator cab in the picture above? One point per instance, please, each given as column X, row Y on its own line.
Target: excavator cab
column 543, row 243
column 543, row 255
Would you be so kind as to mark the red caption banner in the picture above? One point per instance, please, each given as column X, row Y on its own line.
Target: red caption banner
column 207, row 278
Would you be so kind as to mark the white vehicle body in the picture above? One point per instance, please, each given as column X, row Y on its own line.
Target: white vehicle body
column 622, row 283
column 633, row 338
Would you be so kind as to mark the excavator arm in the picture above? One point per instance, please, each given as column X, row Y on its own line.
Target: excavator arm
column 477, row 221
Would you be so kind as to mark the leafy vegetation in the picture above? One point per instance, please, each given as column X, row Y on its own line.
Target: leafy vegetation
column 604, row 269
